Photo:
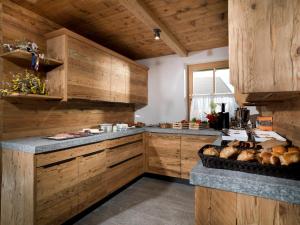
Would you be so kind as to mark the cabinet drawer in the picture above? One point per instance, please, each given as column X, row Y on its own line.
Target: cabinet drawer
column 124, row 152
column 121, row 174
column 190, row 145
column 53, row 157
column 163, row 154
column 92, row 187
column 124, row 140
column 56, row 191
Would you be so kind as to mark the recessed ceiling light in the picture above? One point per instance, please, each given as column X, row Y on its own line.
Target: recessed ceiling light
column 157, row 33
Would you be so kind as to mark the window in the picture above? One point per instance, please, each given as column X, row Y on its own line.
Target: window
column 209, row 82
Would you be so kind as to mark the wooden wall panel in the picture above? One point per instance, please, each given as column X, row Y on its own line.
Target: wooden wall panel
column 285, row 118
column 22, row 118
column 17, row 166
column 215, row 207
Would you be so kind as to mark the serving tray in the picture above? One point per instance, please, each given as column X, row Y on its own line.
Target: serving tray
column 290, row 172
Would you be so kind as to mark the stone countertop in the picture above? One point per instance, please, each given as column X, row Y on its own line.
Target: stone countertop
column 246, row 183
column 40, row 145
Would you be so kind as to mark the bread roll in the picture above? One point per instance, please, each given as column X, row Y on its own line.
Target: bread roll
column 289, row 158
column 246, row 155
column 211, row 151
column 228, row 152
column 274, row 160
column 279, row 149
column 265, row 158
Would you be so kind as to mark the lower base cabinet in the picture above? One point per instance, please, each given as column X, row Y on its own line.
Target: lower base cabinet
column 163, row 154
column 56, row 192
column 215, row 207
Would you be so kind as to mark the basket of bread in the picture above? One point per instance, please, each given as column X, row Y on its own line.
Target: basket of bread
column 271, row 158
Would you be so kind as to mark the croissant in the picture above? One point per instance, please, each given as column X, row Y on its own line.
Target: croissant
column 289, row 158
column 246, row 155
column 211, row 151
column 228, row 152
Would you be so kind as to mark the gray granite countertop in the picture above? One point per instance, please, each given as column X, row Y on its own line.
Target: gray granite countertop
column 246, row 183
column 39, row 144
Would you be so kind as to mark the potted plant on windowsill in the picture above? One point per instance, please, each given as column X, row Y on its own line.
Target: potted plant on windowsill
column 213, row 116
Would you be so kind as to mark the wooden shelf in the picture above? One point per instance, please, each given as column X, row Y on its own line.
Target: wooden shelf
column 33, row 96
column 23, row 58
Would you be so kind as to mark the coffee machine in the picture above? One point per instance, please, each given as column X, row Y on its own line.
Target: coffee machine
column 223, row 118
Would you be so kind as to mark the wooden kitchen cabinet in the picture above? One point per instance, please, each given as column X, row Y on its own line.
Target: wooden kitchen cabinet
column 89, row 71
column 137, row 85
column 119, row 77
column 92, row 185
column 190, row 145
column 56, row 192
column 163, row 154
column 264, row 47
column 93, row 72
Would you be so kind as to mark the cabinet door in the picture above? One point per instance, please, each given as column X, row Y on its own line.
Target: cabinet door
column 119, row 76
column 88, row 75
column 92, row 185
column 190, row 145
column 56, row 192
column 121, row 174
column 163, row 154
column 137, row 85
column 264, row 45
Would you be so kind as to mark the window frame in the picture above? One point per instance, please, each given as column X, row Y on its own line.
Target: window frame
column 198, row 67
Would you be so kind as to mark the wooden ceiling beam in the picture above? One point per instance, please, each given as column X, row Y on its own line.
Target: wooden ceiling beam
column 143, row 13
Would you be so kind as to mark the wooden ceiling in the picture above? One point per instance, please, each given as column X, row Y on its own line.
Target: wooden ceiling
column 195, row 24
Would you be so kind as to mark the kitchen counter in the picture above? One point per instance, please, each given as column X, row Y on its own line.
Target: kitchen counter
column 246, row 183
column 40, row 145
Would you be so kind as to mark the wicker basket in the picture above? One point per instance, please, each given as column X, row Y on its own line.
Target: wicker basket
column 289, row 172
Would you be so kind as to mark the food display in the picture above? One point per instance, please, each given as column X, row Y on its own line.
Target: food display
column 272, row 158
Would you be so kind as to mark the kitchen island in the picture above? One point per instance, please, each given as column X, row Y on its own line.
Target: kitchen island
column 236, row 198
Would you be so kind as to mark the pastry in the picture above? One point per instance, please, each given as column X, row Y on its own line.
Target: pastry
column 274, row 160
column 246, row 155
column 279, row 149
column 289, row 158
column 211, row 151
column 266, row 158
column 228, row 152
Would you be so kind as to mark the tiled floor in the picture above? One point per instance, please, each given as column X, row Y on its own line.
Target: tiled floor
column 147, row 202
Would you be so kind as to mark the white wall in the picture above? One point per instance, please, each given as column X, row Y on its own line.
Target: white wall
column 167, row 98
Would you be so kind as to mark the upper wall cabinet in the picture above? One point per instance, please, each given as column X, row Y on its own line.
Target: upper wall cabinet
column 264, row 46
column 94, row 72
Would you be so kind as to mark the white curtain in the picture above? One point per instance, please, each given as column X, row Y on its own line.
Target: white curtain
column 201, row 105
